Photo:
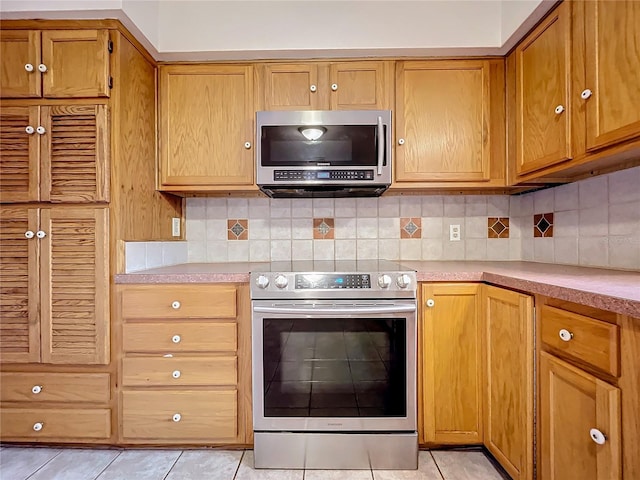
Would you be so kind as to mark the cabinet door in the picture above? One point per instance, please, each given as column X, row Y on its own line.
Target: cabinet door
column 543, row 65
column 74, row 285
column 612, row 50
column 291, row 87
column 508, row 409
column 572, row 404
column 19, row 291
column 77, row 63
column 442, row 121
column 207, row 131
column 20, row 53
column 74, row 154
column 452, row 359
column 19, row 154
column 360, row 85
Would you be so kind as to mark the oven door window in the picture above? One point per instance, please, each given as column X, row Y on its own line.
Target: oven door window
column 330, row 146
column 335, row 367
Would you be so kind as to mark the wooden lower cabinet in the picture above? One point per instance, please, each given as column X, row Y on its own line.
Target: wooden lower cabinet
column 54, row 387
column 577, row 412
column 55, row 424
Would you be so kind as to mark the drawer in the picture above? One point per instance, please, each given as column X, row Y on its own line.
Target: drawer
column 179, row 371
column 589, row 341
column 46, row 423
column 54, row 387
column 168, row 415
column 179, row 301
column 179, row 337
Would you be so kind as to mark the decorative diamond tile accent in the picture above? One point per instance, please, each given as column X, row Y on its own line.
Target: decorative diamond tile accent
column 323, row 228
column 543, row 225
column 498, row 227
column 410, row 227
column 237, row 229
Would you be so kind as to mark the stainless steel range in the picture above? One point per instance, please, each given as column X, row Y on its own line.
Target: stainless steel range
column 334, row 366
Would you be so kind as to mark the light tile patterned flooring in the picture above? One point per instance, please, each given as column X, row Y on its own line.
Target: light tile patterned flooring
column 21, row 463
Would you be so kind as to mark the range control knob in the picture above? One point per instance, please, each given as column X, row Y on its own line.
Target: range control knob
column 281, row 281
column 262, row 281
column 403, row 280
column 384, row 281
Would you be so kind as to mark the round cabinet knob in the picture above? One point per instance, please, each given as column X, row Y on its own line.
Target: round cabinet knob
column 247, row 145
column 430, row 302
column 29, row 234
column 313, row 88
column 41, row 130
column 565, row 335
column 176, row 417
column 586, row 93
column 41, row 234
column 38, row 426
column 36, row 389
column 597, row 436
column 176, row 374
column 403, row 280
column 559, row 109
column 262, row 281
column 28, row 67
column 42, row 67
column 334, row 87
column 384, row 281
column 175, row 305
column 401, row 141
column 176, row 339
column 281, row 281
column 30, row 130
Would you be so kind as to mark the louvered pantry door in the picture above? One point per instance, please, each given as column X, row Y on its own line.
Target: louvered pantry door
column 19, row 285
column 19, row 152
column 74, row 285
column 75, row 154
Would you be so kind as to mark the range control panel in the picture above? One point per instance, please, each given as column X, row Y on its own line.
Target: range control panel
column 327, row 281
column 311, row 175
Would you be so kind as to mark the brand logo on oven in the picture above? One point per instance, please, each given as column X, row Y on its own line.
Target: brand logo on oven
column 334, row 424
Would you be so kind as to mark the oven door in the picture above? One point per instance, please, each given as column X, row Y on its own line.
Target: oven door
column 343, row 365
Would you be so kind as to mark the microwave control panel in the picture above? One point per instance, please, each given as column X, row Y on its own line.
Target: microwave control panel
column 313, row 175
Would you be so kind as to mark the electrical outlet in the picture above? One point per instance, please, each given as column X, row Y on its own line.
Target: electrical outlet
column 454, row 233
column 175, row 227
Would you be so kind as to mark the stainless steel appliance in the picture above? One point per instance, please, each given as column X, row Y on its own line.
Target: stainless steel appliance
column 323, row 153
column 334, row 366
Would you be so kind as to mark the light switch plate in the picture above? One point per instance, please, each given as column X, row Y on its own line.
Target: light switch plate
column 175, row 227
column 454, row 233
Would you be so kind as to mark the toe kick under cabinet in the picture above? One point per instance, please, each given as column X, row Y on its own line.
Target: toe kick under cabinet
column 185, row 364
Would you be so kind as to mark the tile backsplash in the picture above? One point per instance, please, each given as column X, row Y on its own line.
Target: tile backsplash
column 593, row 222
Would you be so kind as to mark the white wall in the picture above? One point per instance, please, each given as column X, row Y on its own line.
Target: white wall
column 145, row 14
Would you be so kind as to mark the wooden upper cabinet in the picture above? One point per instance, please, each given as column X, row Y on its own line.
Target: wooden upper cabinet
column 572, row 405
column 207, row 126
column 442, row 121
column 54, row 63
column 365, row 85
column 543, row 89
column 612, row 66
column 19, row 285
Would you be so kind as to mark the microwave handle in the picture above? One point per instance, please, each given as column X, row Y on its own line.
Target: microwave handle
column 380, row 145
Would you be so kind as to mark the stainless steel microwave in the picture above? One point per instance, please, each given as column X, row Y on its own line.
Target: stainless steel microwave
column 323, row 153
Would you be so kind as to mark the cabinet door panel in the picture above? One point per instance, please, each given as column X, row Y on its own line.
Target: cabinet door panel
column 77, row 63
column 543, row 65
column 75, row 154
column 74, row 286
column 612, row 32
column 572, row 403
column 19, row 154
column 19, row 292
column 17, row 49
column 360, row 85
column 290, row 87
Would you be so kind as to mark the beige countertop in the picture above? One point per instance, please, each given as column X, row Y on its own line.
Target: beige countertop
column 613, row 290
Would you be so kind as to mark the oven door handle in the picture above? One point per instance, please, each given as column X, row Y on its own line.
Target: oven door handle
column 356, row 310
column 381, row 146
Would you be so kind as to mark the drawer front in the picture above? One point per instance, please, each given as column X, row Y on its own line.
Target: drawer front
column 54, row 387
column 186, row 371
column 166, row 415
column 179, row 337
column 589, row 341
column 179, row 301
column 46, row 423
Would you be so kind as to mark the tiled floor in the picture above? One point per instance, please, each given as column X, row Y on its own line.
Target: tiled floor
column 18, row 463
